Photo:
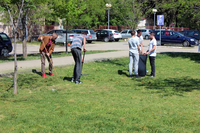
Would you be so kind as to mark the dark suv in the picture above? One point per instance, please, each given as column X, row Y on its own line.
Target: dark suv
column 192, row 33
column 105, row 35
column 5, row 45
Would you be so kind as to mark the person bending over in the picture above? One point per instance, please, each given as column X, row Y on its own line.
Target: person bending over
column 76, row 48
column 46, row 49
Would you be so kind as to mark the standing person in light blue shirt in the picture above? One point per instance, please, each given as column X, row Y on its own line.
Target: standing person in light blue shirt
column 133, row 54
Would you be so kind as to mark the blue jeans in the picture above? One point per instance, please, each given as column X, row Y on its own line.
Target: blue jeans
column 76, row 52
column 133, row 57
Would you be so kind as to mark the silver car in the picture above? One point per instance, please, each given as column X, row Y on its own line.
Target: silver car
column 62, row 35
column 127, row 33
column 146, row 33
column 91, row 35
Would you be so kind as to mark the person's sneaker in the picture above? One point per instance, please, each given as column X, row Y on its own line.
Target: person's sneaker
column 137, row 77
column 152, row 76
column 50, row 74
column 147, row 71
column 72, row 80
column 78, row 82
column 44, row 76
column 130, row 76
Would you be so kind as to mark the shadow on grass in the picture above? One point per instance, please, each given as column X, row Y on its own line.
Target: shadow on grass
column 35, row 71
column 172, row 85
column 67, row 78
column 193, row 56
column 120, row 72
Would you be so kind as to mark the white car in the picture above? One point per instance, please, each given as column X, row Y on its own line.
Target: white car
column 117, row 35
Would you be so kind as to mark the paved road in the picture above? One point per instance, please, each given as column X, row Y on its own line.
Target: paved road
column 63, row 61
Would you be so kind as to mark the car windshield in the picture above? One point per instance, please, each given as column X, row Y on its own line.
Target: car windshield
column 4, row 37
column 68, row 31
column 92, row 32
column 116, row 31
column 110, row 32
column 179, row 34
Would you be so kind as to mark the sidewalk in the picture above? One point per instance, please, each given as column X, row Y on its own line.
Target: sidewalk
column 60, row 61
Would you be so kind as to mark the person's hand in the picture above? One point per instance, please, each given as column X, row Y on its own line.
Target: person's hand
column 84, row 50
column 146, row 53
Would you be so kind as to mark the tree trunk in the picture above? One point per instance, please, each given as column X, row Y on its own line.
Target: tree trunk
column 24, row 46
column 15, row 65
column 30, row 33
column 133, row 26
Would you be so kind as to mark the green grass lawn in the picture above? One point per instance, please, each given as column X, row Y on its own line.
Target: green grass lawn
column 55, row 54
column 108, row 100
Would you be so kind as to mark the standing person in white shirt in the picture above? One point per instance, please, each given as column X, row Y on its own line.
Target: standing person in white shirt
column 139, row 36
column 133, row 54
column 152, row 53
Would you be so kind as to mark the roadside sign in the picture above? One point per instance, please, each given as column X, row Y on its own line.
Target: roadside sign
column 160, row 20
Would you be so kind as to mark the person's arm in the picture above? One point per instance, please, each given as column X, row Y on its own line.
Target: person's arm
column 84, row 44
column 141, row 45
column 154, row 47
column 138, row 46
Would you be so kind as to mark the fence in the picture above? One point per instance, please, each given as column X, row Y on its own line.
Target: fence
column 170, row 28
column 120, row 28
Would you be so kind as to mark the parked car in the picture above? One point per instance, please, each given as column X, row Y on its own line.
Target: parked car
column 193, row 34
column 105, row 35
column 173, row 37
column 62, row 35
column 127, row 33
column 146, row 33
column 91, row 35
column 117, row 35
column 5, row 45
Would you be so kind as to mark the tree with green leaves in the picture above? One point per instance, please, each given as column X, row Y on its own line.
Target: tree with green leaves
column 128, row 11
column 5, row 5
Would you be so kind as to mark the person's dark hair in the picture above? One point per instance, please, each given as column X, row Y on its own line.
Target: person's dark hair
column 139, row 31
column 152, row 33
column 84, row 32
column 132, row 33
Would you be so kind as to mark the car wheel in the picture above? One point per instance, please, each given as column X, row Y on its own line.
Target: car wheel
column 116, row 40
column 89, row 41
column 146, row 37
column 106, row 39
column 185, row 43
column 4, row 52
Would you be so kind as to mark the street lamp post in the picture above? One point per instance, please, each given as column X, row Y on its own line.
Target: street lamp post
column 154, row 11
column 108, row 6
